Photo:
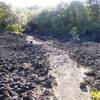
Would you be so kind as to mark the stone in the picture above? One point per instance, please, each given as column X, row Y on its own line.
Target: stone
column 29, row 98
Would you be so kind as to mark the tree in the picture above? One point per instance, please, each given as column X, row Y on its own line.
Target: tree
column 94, row 6
column 77, row 19
column 6, row 16
column 8, row 20
column 76, row 16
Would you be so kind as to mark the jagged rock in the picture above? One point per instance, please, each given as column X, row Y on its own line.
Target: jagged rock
column 87, row 55
column 23, row 67
column 29, row 98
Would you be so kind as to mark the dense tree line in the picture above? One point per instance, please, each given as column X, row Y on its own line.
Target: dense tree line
column 14, row 19
column 75, row 20
column 8, row 20
column 78, row 19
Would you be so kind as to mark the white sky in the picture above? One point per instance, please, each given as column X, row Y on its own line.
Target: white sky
column 29, row 3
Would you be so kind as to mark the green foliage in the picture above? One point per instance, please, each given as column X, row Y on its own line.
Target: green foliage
column 42, row 20
column 15, row 28
column 94, row 27
column 6, row 15
column 95, row 94
column 75, row 18
column 8, row 20
column 94, row 6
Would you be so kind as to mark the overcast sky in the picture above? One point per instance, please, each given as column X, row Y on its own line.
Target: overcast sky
column 29, row 3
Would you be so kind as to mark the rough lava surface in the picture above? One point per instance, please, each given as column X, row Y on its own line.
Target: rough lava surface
column 24, row 70
column 32, row 69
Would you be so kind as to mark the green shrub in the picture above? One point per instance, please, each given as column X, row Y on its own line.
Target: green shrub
column 95, row 95
column 15, row 28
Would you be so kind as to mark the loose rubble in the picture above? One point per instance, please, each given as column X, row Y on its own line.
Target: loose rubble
column 24, row 72
column 87, row 55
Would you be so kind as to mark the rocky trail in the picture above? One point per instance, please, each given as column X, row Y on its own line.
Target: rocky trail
column 68, row 77
column 33, row 69
column 66, row 72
